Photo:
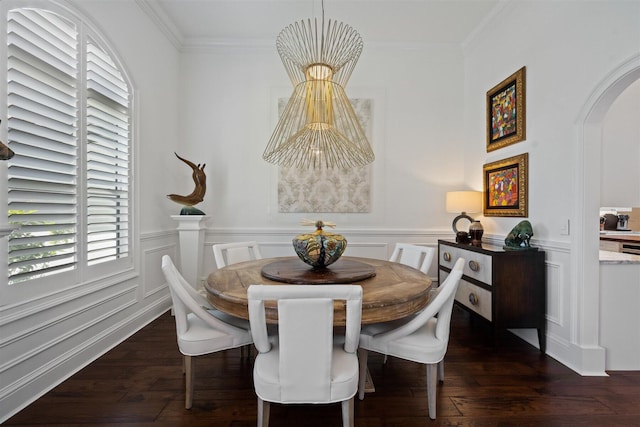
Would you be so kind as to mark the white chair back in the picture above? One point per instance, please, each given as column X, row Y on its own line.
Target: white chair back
column 193, row 293
column 445, row 297
column 441, row 303
column 232, row 253
column 185, row 303
column 305, row 335
column 418, row 257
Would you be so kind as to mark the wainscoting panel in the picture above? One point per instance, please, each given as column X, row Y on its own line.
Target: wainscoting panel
column 555, row 297
column 45, row 340
column 152, row 277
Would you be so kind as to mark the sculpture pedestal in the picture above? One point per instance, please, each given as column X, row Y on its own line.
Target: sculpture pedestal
column 191, row 229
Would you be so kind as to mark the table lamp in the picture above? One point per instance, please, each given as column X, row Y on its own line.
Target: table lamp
column 464, row 202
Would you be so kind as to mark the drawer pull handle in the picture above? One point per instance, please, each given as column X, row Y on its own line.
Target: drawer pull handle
column 473, row 299
column 446, row 256
column 474, row 266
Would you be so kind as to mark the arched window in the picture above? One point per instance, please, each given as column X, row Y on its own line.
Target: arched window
column 69, row 124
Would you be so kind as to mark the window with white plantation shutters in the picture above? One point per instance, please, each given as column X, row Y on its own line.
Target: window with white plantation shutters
column 42, row 127
column 107, row 159
column 68, row 122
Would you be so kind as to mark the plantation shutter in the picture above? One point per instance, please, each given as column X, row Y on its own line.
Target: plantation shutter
column 107, row 159
column 42, row 130
column 69, row 126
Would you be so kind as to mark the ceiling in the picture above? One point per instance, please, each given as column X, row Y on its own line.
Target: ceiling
column 191, row 23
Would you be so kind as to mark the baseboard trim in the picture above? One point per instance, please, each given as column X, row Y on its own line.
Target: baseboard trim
column 21, row 394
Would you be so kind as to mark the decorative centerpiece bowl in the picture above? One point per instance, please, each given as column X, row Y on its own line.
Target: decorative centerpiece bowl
column 320, row 248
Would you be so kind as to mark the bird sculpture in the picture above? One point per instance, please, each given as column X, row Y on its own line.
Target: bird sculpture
column 197, row 195
column 5, row 152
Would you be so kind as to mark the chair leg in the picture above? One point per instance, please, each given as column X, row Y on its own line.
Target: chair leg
column 441, row 371
column 188, row 368
column 264, row 408
column 245, row 352
column 431, row 388
column 347, row 412
column 363, row 355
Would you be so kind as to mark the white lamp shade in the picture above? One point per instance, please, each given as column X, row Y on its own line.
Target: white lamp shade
column 464, row 201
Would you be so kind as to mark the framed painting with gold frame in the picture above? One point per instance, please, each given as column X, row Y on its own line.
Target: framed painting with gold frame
column 506, row 111
column 506, row 187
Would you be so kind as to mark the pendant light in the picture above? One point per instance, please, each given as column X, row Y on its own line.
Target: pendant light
column 318, row 127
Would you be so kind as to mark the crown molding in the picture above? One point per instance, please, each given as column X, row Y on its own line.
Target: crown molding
column 468, row 42
column 163, row 22
column 201, row 44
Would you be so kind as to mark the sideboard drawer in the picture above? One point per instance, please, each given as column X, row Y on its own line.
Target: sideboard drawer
column 477, row 266
column 474, row 298
column 448, row 255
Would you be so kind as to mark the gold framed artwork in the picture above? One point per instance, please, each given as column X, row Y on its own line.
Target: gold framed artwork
column 506, row 111
column 506, row 187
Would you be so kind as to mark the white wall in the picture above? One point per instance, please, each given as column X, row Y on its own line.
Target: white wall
column 153, row 63
column 58, row 329
column 230, row 96
column 568, row 48
column 620, row 181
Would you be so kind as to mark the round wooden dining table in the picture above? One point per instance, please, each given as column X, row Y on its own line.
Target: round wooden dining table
column 390, row 290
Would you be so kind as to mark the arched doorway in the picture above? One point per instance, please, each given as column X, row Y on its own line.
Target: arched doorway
column 585, row 244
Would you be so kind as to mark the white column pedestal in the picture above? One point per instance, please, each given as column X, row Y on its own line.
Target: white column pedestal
column 191, row 229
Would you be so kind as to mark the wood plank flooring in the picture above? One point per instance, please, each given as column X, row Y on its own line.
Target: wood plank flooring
column 140, row 383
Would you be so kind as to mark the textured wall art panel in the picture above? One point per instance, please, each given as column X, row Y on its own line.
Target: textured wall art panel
column 322, row 190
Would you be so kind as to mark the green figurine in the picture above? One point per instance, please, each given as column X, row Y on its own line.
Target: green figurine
column 518, row 239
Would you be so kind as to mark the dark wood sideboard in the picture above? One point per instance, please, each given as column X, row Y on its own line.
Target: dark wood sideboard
column 504, row 287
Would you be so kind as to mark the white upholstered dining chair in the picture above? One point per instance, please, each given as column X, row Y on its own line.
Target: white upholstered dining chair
column 423, row 338
column 303, row 363
column 418, row 257
column 231, row 253
column 200, row 329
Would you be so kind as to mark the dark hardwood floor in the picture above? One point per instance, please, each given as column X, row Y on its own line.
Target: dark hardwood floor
column 140, row 383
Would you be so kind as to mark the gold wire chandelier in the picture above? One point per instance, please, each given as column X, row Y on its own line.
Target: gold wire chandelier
column 319, row 128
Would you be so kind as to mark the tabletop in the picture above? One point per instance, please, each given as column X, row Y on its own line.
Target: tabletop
column 390, row 290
